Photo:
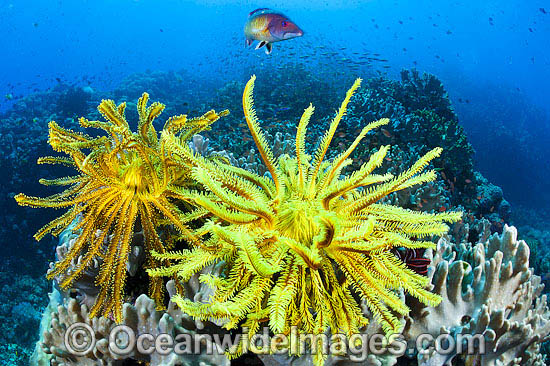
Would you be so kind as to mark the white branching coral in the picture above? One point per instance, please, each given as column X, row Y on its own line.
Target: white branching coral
column 488, row 289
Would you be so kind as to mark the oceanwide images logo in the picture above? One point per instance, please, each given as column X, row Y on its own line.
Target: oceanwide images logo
column 80, row 340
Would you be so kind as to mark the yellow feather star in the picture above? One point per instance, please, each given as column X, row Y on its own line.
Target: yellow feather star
column 124, row 178
column 300, row 246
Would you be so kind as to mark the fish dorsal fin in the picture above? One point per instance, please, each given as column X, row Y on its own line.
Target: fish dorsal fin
column 258, row 11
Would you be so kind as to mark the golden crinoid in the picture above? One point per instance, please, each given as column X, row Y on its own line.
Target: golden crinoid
column 302, row 246
column 123, row 178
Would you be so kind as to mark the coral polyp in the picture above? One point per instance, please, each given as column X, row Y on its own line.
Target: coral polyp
column 302, row 245
column 124, row 179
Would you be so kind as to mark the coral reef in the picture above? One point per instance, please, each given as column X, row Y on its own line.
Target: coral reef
column 22, row 138
column 140, row 317
column 488, row 290
column 169, row 86
column 421, row 119
column 73, row 101
column 490, row 201
column 22, row 300
column 471, row 267
column 534, row 229
column 421, row 116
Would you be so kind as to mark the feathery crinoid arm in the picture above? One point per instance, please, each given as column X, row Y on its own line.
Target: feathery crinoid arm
column 147, row 115
column 56, row 160
column 281, row 298
column 187, row 128
column 301, row 143
column 188, row 263
column 174, row 214
column 378, row 297
column 252, row 257
column 202, row 123
column 340, row 159
column 221, row 211
column 192, row 126
column 240, row 182
column 68, row 198
column 394, row 219
column 254, row 204
column 71, row 142
column 236, row 295
column 300, row 251
column 257, row 133
column 234, row 310
column 266, row 186
column 396, row 274
column 358, row 178
column 327, row 138
column 174, row 124
column 122, row 176
column 115, row 123
column 403, row 179
column 113, row 114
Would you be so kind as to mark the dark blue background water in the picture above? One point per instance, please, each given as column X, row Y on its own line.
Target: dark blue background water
column 491, row 55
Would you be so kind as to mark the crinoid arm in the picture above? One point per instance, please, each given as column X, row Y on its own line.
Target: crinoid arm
column 124, row 179
column 299, row 248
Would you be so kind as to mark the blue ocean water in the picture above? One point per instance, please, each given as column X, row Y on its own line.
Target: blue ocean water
column 492, row 57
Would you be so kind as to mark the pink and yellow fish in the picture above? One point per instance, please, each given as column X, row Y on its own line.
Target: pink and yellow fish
column 267, row 26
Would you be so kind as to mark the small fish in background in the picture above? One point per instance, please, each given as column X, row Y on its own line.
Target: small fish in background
column 267, row 26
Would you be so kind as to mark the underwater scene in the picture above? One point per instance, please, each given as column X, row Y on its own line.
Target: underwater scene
column 234, row 182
